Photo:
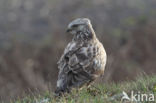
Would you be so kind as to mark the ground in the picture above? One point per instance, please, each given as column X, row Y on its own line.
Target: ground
column 100, row 93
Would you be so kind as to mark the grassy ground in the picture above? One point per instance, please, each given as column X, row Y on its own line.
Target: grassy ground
column 101, row 93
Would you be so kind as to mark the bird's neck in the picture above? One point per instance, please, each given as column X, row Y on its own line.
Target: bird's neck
column 85, row 35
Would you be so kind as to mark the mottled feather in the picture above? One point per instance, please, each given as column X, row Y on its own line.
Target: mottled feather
column 83, row 59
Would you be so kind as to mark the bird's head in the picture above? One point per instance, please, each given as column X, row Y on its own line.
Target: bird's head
column 80, row 25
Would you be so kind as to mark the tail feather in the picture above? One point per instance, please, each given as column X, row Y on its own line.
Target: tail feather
column 66, row 82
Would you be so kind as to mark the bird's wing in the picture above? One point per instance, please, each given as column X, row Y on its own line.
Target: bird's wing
column 71, row 48
column 82, row 58
column 77, row 56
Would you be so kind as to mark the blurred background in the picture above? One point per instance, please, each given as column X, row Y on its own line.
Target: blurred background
column 32, row 39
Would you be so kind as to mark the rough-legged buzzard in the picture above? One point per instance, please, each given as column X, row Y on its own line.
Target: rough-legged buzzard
column 84, row 58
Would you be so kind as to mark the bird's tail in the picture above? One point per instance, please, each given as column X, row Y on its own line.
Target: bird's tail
column 66, row 82
column 63, row 84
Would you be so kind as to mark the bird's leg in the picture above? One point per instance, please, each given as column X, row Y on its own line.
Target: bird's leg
column 93, row 90
column 96, row 88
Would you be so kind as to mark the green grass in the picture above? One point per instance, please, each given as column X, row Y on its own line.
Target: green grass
column 101, row 93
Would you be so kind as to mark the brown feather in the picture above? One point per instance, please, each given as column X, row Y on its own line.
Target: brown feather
column 83, row 60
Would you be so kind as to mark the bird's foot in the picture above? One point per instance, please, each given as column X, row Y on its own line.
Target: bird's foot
column 93, row 90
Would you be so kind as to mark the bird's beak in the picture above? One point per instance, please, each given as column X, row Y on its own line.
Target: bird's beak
column 68, row 30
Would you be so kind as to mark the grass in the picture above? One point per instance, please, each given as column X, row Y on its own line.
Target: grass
column 101, row 93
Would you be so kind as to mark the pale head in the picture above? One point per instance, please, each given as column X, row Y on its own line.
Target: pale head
column 78, row 25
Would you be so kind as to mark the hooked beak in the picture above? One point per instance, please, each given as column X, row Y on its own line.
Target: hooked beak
column 68, row 30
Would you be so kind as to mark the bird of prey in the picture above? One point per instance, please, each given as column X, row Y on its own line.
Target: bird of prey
column 83, row 60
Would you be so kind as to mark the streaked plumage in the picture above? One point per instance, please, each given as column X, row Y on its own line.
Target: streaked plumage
column 83, row 59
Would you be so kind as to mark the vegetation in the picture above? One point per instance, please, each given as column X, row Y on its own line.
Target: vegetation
column 32, row 39
column 101, row 93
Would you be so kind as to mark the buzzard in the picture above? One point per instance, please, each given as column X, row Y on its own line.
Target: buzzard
column 83, row 60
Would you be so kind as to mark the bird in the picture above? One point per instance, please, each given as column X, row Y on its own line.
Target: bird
column 83, row 60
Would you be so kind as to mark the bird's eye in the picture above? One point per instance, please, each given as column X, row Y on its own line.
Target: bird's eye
column 75, row 26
